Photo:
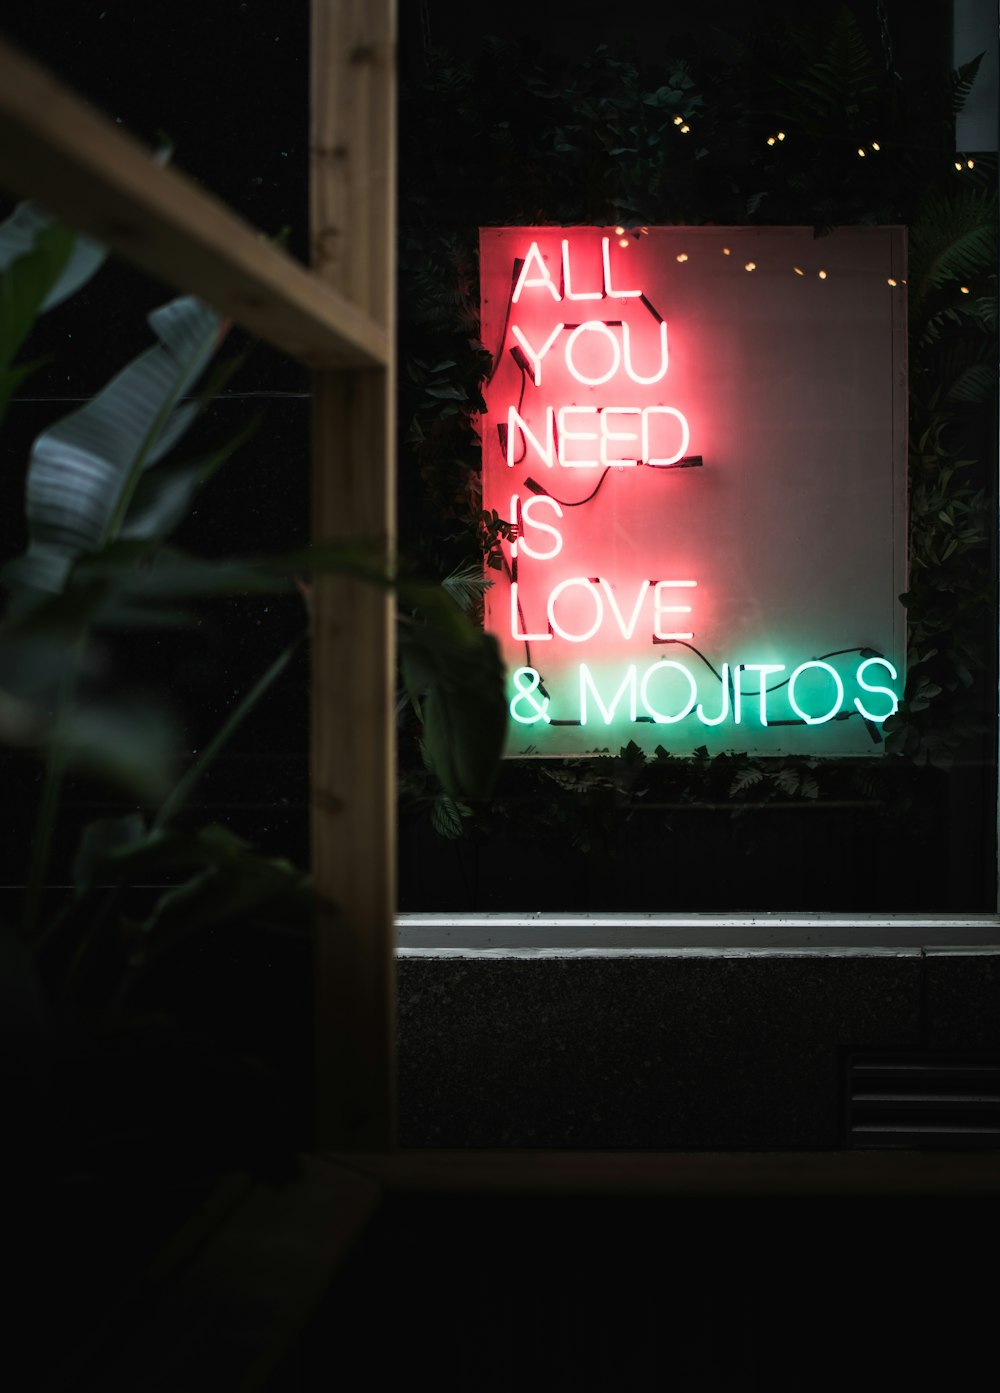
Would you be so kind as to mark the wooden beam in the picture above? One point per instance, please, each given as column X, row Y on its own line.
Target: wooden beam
column 74, row 162
column 352, row 226
column 683, row 1175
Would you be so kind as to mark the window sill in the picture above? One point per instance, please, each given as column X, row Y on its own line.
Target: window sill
column 528, row 935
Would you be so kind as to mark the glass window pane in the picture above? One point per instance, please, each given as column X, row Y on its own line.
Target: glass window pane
column 734, row 519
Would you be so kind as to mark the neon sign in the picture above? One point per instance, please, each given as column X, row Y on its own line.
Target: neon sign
column 704, row 476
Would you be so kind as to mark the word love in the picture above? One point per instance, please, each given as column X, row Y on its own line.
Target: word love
column 592, row 354
column 668, row 692
column 577, row 607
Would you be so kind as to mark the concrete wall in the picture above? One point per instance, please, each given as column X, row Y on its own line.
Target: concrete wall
column 672, row 1050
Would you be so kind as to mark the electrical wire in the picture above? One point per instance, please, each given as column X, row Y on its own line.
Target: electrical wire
column 837, row 652
column 498, row 355
column 579, row 502
column 697, row 652
column 502, row 429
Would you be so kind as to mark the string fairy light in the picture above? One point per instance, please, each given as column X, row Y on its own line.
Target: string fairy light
column 822, row 272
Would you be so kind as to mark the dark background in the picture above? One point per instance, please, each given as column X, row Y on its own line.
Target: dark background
column 539, row 1295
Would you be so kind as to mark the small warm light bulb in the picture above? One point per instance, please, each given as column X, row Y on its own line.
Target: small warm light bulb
column 964, row 289
column 970, row 164
column 682, row 256
column 643, row 230
column 685, row 129
column 750, row 266
column 798, row 270
column 861, row 152
column 891, row 281
column 726, row 251
column 781, row 135
column 678, row 120
column 619, row 231
column 770, row 140
column 623, row 241
column 876, row 145
column 958, row 164
column 822, row 275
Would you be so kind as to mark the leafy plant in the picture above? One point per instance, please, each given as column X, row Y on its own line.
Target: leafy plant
column 106, row 487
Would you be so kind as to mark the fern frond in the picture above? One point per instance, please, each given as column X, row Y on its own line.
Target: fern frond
column 842, row 81
column 746, row 778
column 980, row 313
column 975, row 383
column 962, row 80
column 953, row 239
column 466, row 585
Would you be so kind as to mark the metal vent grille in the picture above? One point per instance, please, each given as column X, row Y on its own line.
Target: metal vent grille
column 923, row 1100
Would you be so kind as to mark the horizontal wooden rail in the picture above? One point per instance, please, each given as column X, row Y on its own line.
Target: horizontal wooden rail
column 60, row 152
column 680, row 1174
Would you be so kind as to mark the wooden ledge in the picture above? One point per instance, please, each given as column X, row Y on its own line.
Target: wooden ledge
column 683, row 1174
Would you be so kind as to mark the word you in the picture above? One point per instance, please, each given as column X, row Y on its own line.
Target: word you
column 593, row 353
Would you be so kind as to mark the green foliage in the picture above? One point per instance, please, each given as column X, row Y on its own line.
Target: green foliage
column 455, row 683
column 517, row 137
column 113, row 968
column 952, row 238
column 105, row 488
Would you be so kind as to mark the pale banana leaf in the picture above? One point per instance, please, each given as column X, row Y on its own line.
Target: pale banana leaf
column 85, row 470
column 18, row 237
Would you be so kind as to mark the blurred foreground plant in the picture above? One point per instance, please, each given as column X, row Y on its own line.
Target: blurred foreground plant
column 105, row 488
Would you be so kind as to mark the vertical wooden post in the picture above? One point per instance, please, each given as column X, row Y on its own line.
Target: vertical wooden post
column 352, row 225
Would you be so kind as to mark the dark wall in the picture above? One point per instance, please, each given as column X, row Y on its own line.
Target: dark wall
column 686, row 1050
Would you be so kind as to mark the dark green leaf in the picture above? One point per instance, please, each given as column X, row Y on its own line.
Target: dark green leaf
column 99, row 841
column 450, row 392
column 446, row 816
